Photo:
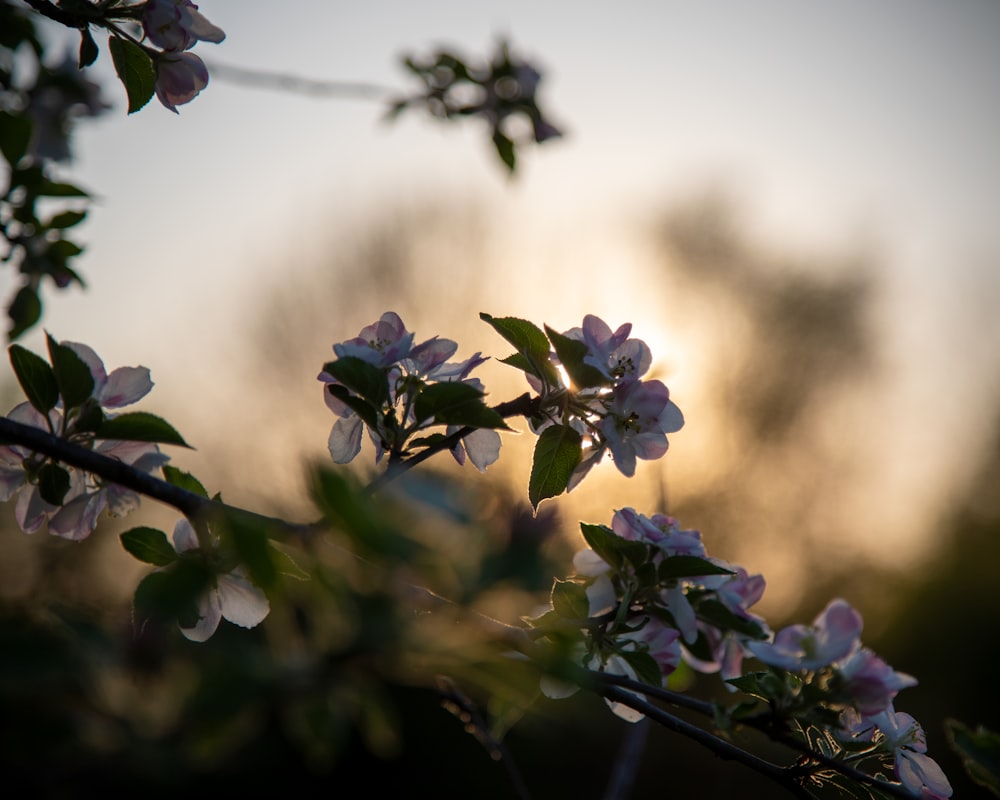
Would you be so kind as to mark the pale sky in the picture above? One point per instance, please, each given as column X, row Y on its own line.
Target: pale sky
column 827, row 121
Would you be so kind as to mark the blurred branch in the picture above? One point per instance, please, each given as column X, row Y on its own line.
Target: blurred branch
column 284, row 82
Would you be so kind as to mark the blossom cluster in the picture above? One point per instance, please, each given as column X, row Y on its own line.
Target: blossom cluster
column 175, row 26
column 651, row 598
column 383, row 382
column 70, row 501
column 605, row 400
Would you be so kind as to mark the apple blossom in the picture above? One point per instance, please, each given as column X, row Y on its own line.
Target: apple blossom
column 180, row 77
column 870, row 683
column 834, row 634
column 176, row 25
column 232, row 596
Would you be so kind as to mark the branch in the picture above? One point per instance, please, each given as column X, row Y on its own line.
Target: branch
column 763, row 725
column 277, row 81
column 190, row 504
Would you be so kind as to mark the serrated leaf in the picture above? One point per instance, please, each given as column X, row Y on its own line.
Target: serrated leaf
column 135, row 70
column 557, row 454
column 569, row 600
column 140, row 426
column 149, row 545
column 453, row 403
column 76, row 384
column 24, row 311
column 531, row 344
column 53, row 483
column 362, row 378
column 571, row 354
column 184, row 480
column 36, row 378
column 689, row 566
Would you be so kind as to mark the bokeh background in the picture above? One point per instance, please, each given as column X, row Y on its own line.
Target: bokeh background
column 794, row 204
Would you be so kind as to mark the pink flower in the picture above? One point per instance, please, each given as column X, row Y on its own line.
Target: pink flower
column 179, row 78
column 871, row 683
column 917, row 771
column 176, row 25
column 834, row 634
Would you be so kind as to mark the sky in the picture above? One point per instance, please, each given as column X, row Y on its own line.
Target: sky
column 828, row 123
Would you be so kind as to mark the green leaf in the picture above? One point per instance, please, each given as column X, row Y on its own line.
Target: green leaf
column 88, row 48
column 571, row 354
column 250, row 541
column 135, row 70
column 67, row 219
column 49, row 188
column 172, row 592
column 140, row 426
column 569, row 600
column 362, row 378
column 183, row 480
column 453, row 403
column 557, row 453
column 716, row 614
column 36, row 378
column 531, row 344
column 24, row 311
column 688, row 566
column 53, row 483
column 76, row 384
column 149, row 545
column 285, row 564
column 505, row 149
column 368, row 413
column 979, row 751
column 645, row 666
column 15, row 134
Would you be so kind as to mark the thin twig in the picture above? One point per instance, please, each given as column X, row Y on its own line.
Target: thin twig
column 283, row 82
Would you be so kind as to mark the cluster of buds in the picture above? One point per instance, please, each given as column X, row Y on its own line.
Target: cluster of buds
column 647, row 596
column 175, row 26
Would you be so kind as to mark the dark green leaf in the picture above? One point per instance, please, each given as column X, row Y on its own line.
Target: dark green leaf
column 689, row 566
column 557, row 454
column 53, row 483
column 67, row 219
column 250, row 541
column 285, row 564
column 979, row 751
column 368, row 413
column 716, row 614
column 24, row 311
column 505, row 149
column 149, row 545
column 569, row 600
column 36, row 378
column 645, row 666
column 571, row 354
column 453, row 403
column 135, row 70
column 88, row 48
column 605, row 542
column 76, row 384
column 183, row 480
column 140, row 426
column 362, row 378
column 47, row 188
column 15, row 134
column 172, row 592
column 531, row 344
